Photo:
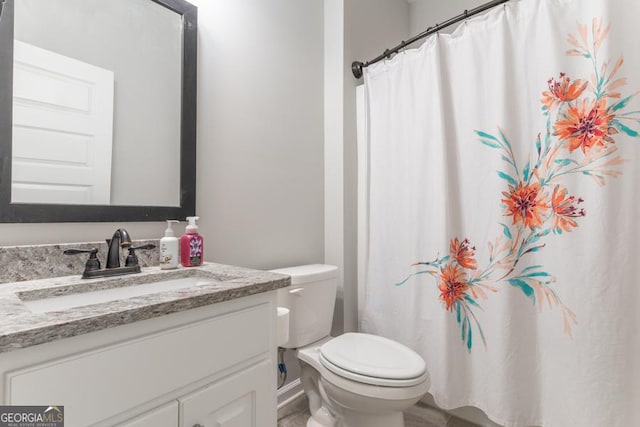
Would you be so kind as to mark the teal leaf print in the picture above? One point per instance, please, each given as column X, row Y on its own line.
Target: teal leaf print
column 506, row 231
column 524, row 287
column 507, row 178
column 621, row 104
column 623, row 128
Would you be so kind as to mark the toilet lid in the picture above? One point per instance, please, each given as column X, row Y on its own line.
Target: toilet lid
column 370, row 358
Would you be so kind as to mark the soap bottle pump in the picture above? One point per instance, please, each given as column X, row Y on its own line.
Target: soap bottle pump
column 191, row 245
column 169, row 248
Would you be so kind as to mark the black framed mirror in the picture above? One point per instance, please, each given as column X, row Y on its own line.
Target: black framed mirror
column 127, row 198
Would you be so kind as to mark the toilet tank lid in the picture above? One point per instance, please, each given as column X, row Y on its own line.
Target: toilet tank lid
column 308, row 273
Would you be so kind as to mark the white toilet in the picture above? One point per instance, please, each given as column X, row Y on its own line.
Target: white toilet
column 355, row 379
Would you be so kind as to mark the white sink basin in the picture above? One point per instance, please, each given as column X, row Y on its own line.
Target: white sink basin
column 65, row 302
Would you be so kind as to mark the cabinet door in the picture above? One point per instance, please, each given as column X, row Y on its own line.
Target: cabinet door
column 244, row 399
column 163, row 416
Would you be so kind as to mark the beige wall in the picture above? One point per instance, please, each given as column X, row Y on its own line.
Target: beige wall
column 260, row 136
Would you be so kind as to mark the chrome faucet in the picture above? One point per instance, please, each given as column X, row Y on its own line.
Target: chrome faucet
column 119, row 240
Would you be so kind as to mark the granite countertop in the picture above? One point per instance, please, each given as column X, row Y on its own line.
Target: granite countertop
column 20, row 327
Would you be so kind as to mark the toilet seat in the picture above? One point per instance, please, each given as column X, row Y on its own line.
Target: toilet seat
column 372, row 359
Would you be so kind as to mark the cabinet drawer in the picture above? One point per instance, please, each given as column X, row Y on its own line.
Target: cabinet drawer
column 99, row 384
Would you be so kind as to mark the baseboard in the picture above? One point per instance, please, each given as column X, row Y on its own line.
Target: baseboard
column 290, row 392
column 291, row 399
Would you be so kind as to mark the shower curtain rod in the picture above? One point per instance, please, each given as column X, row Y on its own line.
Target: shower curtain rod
column 357, row 66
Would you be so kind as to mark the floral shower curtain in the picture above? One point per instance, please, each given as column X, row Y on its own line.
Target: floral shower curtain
column 504, row 201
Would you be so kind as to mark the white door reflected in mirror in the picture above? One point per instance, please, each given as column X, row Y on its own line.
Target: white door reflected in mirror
column 141, row 43
column 62, row 129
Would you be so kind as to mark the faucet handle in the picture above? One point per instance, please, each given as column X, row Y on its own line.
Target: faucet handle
column 80, row 251
column 132, row 258
column 93, row 263
column 145, row 246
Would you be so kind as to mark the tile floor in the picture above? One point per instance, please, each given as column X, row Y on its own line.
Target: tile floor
column 417, row 416
column 299, row 419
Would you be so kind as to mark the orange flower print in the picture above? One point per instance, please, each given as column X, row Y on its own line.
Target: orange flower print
column 453, row 285
column 586, row 125
column 526, row 204
column 463, row 253
column 562, row 90
column 565, row 210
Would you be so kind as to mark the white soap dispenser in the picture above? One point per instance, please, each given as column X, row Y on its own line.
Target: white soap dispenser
column 169, row 248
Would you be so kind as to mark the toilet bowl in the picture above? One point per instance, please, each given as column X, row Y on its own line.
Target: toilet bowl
column 363, row 389
column 355, row 379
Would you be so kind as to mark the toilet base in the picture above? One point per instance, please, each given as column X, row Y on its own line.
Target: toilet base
column 321, row 417
column 357, row 411
column 313, row 423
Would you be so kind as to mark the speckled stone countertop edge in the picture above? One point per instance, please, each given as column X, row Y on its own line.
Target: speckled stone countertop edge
column 21, row 328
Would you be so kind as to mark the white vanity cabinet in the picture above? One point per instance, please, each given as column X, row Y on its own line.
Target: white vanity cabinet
column 210, row 366
column 164, row 416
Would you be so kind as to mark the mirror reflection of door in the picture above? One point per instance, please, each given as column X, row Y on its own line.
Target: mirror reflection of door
column 62, row 129
column 141, row 41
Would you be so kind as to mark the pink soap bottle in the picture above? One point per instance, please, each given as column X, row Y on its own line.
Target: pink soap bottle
column 191, row 245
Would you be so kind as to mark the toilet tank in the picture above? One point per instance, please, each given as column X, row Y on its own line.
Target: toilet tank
column 310, row 300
